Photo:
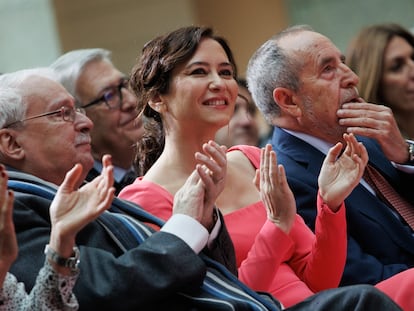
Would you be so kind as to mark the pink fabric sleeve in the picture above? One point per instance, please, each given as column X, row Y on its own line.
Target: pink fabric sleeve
column 265, row 256
column 319, row 258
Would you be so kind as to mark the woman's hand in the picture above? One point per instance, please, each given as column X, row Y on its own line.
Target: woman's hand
column 274, row 189
column 197, row 197
column 341, row 173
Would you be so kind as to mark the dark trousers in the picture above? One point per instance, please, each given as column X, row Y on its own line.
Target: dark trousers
column 355, row 298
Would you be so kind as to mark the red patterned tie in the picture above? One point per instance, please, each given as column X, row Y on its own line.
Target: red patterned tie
column 387, row 193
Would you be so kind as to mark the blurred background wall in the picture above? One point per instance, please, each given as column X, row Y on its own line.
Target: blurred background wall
column 28, row 34
column 36, row 32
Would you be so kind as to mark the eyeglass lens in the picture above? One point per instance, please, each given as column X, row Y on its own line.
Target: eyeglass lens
column 69, row 114
column 113, row 97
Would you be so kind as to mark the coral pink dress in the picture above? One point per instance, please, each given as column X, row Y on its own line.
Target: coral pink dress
column 291, row 267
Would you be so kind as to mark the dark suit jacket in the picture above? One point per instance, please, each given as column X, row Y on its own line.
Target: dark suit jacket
column 145, row 277
column 379, row 244
column 118, row 185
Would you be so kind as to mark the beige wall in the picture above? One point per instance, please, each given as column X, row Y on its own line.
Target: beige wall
column 245, row 24
column 123, row 26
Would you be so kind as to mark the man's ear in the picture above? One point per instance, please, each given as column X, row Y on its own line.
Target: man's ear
column 9, row 146
column 157, row 103
column 287, row 101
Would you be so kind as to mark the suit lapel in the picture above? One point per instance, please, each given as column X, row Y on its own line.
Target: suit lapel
column 304, row 154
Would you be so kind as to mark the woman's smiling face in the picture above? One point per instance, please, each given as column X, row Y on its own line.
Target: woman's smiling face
column 203, row 89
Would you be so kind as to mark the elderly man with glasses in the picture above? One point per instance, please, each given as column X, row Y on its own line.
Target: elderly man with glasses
column 101, row 89
column 25, row 137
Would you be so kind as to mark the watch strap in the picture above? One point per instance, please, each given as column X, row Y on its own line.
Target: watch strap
column 72, row 262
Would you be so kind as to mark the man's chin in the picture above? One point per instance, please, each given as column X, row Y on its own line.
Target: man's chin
column 87, row 164
column 133, row 135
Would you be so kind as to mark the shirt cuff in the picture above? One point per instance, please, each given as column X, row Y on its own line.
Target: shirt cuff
column 409, row 169
column 194, row 234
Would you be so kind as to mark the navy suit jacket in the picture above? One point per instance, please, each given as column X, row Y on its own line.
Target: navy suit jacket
column 93, row 173
column 379, row 244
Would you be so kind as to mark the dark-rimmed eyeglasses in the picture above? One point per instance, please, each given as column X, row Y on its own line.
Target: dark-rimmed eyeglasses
column 112, row 96
column 68, row 114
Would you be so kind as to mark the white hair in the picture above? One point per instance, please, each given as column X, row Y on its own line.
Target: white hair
column 70, row 65
column 12, row 103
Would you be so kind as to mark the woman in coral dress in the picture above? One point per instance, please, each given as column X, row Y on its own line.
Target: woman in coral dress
column 187, row 92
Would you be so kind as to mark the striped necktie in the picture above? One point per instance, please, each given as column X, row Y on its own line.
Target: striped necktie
column 389, row 195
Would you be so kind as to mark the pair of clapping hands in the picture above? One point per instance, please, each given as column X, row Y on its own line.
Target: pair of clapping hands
column 73, row 208
column 340, row 173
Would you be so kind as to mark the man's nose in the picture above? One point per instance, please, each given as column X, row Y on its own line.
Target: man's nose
column 350, row 79
column 82, row 122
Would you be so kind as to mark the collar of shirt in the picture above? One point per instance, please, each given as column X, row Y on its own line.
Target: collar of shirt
column 119, row 172
column 323, row 147
column 318, row 143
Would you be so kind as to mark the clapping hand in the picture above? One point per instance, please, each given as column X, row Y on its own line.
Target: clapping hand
column 274, row 189
column 214, row 162
column 72, row 208
column 8, row 242
column 198, row 195
column 341, row 173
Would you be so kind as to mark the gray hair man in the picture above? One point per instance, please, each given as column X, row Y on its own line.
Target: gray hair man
column 102, row 90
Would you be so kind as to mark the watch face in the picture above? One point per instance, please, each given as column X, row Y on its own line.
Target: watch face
column 71, row 262
column 410, row 152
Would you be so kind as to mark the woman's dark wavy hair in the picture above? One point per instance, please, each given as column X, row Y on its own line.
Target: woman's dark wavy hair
column 151, row 76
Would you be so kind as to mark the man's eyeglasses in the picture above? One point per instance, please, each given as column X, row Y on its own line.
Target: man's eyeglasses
column 67, row 114
column 112, row 96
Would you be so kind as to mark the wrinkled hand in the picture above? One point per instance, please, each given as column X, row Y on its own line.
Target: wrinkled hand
column 275, row 192
column 377, row 122
column 72, row 208
column 8, row 242
column 197, row 197
column 339, row 176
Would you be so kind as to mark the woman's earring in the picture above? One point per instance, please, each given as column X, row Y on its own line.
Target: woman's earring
column 159, row 107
